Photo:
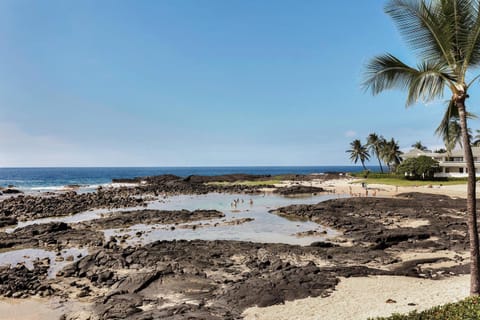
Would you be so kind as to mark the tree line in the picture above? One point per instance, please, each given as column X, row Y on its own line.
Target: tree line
column 386, row 151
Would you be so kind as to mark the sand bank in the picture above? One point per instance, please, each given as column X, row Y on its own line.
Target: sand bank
column 28, row 309
column 360, row 298
column 352, row 186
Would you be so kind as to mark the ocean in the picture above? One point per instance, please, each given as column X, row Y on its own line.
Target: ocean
column 90, row 178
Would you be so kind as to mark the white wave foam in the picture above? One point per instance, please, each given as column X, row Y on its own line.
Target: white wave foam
column 53, row 188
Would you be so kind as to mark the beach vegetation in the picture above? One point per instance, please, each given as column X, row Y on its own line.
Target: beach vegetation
column 358, row 151
column 395, row 179
column 450, row 130
column 445, row 35
column 391, row 154
column 375, row 143
column 376, row 175
column 402, row 182
column 476, row 139
column 247, row 182
column 419, row 145
column 468, row 309
column 419, row 168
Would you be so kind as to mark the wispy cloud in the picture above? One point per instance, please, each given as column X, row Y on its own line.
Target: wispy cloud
column 350, row 134
column 20, row 147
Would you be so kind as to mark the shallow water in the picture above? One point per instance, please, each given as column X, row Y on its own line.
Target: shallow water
column 79, row 217
column 265, row 227
column 28, row 256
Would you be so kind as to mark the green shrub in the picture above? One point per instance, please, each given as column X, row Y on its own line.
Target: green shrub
column 418, row 168
column 468, row 309
column 375, row 175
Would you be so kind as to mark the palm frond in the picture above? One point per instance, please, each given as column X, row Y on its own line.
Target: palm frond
column 388, row 72
column 426, row 82
column 429, row 82
column 358, row 152
column 449, row 128
column 472, row 37
column 420, row 24
column 458, row 17
column 444, row 129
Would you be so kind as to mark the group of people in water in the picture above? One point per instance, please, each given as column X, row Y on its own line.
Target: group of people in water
column 237, row 201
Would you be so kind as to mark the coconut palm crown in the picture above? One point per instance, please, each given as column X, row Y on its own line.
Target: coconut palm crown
column 391, row 154
column 375, row 143
column 358, row 152
column 445, row 36
column 419, row 145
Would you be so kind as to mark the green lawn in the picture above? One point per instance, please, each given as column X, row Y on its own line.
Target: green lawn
column 468, row 309
column 247, row 183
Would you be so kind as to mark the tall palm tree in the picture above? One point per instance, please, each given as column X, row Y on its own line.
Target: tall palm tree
column 418, row 145
column 476, row 139
column 391, row 154
column 358, row 152
column 449, row 129
column 441, row 150
column 374, row 143
column 445, row 35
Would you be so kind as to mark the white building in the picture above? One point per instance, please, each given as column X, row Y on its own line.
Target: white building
column 452, row 164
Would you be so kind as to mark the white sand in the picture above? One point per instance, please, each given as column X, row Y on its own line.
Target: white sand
column 28, row 309
column 360, row 298
column 35, row 308
column 352, row 185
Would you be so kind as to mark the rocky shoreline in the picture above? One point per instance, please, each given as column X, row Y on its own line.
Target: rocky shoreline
column 219, row 279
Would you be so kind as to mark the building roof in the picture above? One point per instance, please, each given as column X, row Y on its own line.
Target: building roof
column 459, row 152
column 417, row 153
column 413, row 153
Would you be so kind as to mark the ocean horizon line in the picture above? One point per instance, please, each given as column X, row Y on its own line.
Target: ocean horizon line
column 196, row 166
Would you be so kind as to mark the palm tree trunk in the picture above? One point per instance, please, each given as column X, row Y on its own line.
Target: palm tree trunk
column 471, row 202
column 363, row 165
column 380, row 164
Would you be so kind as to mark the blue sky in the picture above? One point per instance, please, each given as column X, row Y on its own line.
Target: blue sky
column 185, row 83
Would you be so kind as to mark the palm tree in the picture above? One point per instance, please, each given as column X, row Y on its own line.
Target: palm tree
column 418, row 145
column 358, row 152
column 449, row 129
column 451, row 134
column 391, row 154
column 476, row 139
column 445, row 35
column 374, row 143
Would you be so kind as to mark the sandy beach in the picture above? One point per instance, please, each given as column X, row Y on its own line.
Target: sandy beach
column 364, row 297
column 352, row 186
column 361, row 298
